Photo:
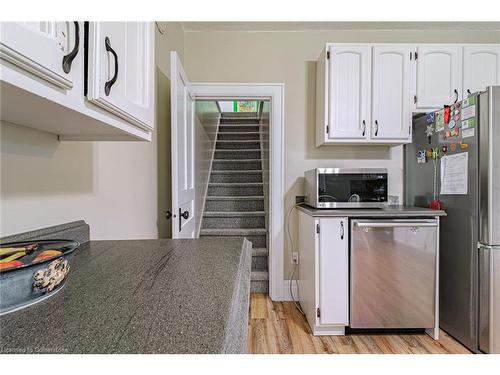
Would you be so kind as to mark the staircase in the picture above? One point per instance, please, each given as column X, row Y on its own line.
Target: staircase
column 235, row 199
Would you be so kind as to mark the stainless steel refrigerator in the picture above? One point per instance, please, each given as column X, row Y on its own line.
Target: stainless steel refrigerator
column 455, row 160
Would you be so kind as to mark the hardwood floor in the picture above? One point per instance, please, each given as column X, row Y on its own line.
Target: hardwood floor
column 278, row 327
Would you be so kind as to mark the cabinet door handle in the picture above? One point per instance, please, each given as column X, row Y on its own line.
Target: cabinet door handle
column 456, row 96
column 468, row 92
column 68, row 59
column 376, row 128
column 364, row 127
column 111, row 82
column 168, row 215
column 341, row 230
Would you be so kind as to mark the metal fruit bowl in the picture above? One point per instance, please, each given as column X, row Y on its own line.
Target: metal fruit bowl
column 33, row 271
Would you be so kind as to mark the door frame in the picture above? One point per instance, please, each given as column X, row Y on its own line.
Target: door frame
column 275, row 92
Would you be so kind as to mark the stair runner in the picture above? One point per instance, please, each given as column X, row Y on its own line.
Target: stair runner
column 235, row 198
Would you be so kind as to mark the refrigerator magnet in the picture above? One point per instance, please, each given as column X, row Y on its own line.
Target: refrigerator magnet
column 439, row 121
column 463, row 145
column 421, row 158
column 447, row 114
column 428, row 131
column 452, row 124
column 467, row 133
column 470, row 123
column 453, row 146
column 444, row 149
column 430, row 118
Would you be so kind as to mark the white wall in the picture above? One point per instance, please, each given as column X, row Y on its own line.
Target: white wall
column 207, row 117
column 289, row 57
column 114, row 186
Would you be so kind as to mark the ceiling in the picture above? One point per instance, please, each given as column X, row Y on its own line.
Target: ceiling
column 325, row 26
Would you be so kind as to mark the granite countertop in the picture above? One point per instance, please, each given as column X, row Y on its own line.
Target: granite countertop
column 142, row 296
column 387, row 211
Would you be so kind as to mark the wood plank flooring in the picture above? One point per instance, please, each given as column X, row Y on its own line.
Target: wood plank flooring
column 278, row 327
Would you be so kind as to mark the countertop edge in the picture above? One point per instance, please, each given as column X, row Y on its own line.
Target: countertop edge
column 390, row 211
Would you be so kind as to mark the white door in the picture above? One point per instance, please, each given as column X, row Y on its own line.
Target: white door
column 391, row 92
column 334, row 271
column 182, row 115
column 439, row 75
column 481, row 67
column 350, row 67
column 121, row 70
column 45, row 49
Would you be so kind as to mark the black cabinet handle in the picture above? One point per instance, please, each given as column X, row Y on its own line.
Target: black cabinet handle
column 456, row 96
column 168, row 215
column 68, row 59
column 364, row 127
column 111, row 82
column 341, row 230
column 468, row 92
column 376, row 128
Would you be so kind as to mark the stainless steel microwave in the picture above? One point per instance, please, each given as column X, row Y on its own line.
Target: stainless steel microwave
column 345, row 188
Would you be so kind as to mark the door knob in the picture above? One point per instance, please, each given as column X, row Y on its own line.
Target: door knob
column 184, row 215
column 168, row 215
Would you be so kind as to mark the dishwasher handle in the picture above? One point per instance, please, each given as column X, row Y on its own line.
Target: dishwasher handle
column 395, row 223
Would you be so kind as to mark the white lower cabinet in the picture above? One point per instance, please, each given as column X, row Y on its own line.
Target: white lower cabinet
column 324, row 273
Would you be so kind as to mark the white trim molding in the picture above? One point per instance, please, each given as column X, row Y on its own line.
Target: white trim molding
column 275, row 92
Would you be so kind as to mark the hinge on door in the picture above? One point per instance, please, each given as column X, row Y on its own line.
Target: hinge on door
column 411, row 54
column 328, row 55
column 327, row 129
column 409, row 130
column 416, row 55
column 415, row 99
column 317, row 228
column 318, row 312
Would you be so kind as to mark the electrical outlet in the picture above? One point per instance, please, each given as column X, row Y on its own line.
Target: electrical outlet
column 295, row 257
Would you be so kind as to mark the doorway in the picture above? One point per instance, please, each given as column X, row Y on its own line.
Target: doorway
column 273, row 94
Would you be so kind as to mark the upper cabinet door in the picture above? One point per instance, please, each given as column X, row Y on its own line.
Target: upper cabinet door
column 45, row 49
column 439, row 75
column 121, row 70
column 350, row 67
column 481, row 67
column 391, row 92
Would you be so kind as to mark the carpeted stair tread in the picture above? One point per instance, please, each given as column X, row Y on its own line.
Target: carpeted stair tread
column 260, row 275
column 233, row 214
column 234, row 232
column 259, row 251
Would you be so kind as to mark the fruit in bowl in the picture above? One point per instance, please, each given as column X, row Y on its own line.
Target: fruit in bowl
column 47, row 254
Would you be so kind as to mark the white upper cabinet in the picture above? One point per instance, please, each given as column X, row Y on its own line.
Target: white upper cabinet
column 49, row 83
column 121, row 70
column 439, row 75
column 391, row 92
column 350, row 68
column 44, row 49
column 481, row 67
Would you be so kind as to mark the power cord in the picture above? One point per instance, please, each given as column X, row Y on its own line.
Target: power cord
column 295, row 301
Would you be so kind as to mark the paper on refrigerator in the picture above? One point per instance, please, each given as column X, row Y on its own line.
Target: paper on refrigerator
column 454, row 174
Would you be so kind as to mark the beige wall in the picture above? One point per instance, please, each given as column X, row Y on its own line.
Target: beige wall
column 114, row 186
column 290, row 58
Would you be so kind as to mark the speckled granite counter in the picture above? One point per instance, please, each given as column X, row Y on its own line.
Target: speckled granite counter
column 144, row 296
column 388, row 211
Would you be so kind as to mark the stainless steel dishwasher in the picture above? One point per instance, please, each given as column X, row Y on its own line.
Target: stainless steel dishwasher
column 393, row 273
